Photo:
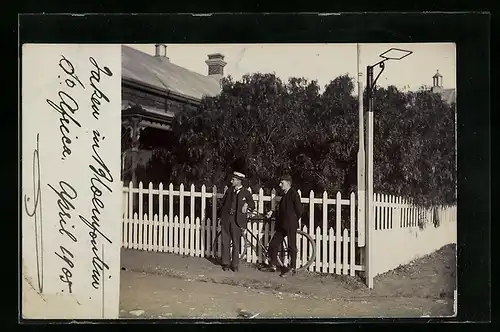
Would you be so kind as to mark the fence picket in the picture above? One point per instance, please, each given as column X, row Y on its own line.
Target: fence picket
column 393, row 208
column 141, row 232
column 345, row 248
column 135, row 237
column 388, row 209
column 155, row 233
column 382, row 211
column 317, row 263
column 162, row 229
column 175, row 235
column 412, row 216
column 260, row 204
column 183, row 239
column 380, row 225
column 149, row 228
column 385, row 213
column 141, row 215
column 338, row 232
column 214, row 216
column 150, row 201
column 182, row 230
column 352, row 240
column 171, row 221
column 254, row 241
column 403, row 213
column 125, row 224
column 130, row 213
column 161, row 217
column 188, row 224
column 124, row 218
column 192, row 218
column 202, row 220
column 181, row 218
column 208, row 243
column 406, row 214
column 248, row 248
column 130, row 207
column 331, row 246
column 191, row 247
column 197, row 235
column 144, row 232
column 324, row 232
column 305, row 248
column 396, row 217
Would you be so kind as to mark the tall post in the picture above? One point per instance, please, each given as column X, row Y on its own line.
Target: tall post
column 369, row 180
column 391, row 54
column 361, row 158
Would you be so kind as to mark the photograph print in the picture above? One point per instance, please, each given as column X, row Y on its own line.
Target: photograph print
column 288, row 181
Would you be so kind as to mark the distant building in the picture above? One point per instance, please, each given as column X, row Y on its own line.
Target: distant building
column 448, row 95
column 153, row 90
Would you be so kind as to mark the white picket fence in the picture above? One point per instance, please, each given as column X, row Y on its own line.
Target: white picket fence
column 404, row 232
column 166, row 228
column 193, row 235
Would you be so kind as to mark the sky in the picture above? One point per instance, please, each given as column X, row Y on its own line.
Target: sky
column 321, row 62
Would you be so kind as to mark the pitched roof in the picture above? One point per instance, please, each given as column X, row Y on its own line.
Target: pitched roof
column 437, row 74
column 163, row 74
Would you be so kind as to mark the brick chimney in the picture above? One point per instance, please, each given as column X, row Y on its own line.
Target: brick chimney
column 161, row 51
column 216, row 65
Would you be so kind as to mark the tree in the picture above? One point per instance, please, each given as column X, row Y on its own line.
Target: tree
column 414, row 151
column 265, row 127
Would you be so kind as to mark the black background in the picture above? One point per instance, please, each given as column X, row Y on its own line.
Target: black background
column 470, row 32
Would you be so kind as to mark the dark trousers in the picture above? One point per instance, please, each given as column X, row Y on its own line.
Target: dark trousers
column 280, row 232
column 231, row 232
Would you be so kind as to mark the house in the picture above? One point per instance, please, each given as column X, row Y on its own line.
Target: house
column 154, row 89
column 448, row 95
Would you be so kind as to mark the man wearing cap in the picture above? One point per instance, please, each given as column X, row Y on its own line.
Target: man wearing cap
column 235, row 203
column 287, row 222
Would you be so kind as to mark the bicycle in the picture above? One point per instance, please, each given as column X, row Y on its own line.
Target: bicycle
column 302, row 237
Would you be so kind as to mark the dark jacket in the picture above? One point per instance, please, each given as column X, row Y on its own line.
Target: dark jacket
column 289, row 210
column 242, row 197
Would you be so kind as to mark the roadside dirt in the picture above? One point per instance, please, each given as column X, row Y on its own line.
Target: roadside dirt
column 167, row 297
column 196, row 287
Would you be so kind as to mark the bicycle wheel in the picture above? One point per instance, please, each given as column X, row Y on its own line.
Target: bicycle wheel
column 217, row 242
column 306, row 251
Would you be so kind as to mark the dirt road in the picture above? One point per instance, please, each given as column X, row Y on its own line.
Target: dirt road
column 171, row 286
column 167, row 297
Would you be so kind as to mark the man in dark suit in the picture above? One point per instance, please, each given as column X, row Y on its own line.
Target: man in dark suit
column 287, row 222
column 233, row 217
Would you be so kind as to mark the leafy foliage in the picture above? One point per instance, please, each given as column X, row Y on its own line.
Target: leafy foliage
column 266, row 127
